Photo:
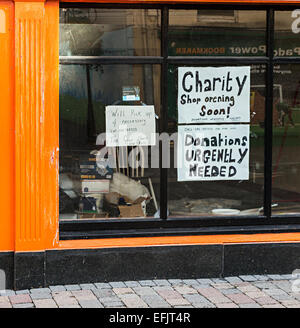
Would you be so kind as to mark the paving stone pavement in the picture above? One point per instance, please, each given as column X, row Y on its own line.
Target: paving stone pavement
column 247, row 291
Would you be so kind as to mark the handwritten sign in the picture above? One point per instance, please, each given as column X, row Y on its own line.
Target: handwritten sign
column 213, row 94
column 213, row 152
column 130, row 126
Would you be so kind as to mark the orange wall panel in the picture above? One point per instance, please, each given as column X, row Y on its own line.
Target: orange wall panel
column 36, row 99
column 51, row 141
column 178, row 240
column 7, row 126
column 29, row 70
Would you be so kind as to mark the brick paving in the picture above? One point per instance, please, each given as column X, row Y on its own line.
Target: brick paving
column 247, row 291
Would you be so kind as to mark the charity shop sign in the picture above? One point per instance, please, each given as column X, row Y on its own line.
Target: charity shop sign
column 130, row 126
column 213, row 152
column 213, row 94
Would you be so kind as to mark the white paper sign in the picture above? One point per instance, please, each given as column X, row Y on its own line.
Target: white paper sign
column 130, row 126
column 213, row 152
column 213, row 94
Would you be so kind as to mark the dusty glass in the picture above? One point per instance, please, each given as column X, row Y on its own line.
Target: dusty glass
column 287, row 28
column 217, row 33
column 215, row 191
column 286, row 140
column 98, row 178
column 109, row 32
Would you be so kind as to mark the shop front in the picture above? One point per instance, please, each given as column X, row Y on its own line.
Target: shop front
column 148, row 139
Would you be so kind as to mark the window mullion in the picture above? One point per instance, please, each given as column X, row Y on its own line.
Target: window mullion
column 164, row 111
column 269, row 115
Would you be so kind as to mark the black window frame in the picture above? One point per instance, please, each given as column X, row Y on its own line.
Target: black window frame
column 170, row 226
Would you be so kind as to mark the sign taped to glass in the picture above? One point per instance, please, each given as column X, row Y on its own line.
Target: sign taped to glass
column 130, row 126
column 213, row 152
column 213, row 94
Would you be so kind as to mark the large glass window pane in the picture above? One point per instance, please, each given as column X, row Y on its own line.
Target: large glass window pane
column 287, row 28
column 98, row 178
column 217, row 193
column 217, row 33
column 109, row 32
column 286, row 140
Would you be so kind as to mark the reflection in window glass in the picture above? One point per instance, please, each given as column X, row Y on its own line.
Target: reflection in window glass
column 286, row 140
column 220, row 196
column 287, row 28
column 98, row 180
column 217, row 33
column 109, row 32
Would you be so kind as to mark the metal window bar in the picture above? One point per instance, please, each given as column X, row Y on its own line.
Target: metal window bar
column 269, row 115
column 164, row 114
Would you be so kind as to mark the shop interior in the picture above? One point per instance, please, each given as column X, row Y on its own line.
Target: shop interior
column 124, row 183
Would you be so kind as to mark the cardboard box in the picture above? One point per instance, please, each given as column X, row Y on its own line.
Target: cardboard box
column 92, row 215
column 95, row 186
column 131, row 211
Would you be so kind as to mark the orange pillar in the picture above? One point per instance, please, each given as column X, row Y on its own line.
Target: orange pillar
column 36, row 148
column 7, row 126
column 51, row 137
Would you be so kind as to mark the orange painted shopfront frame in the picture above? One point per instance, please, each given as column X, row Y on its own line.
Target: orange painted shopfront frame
column 29, row 133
